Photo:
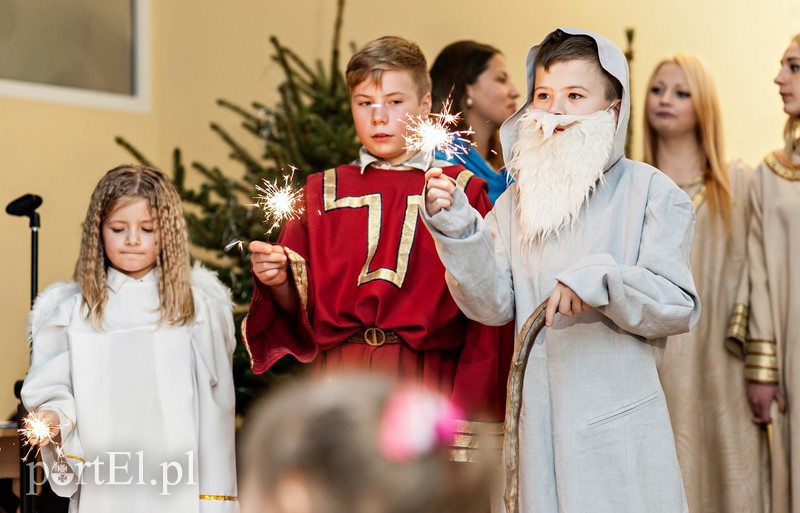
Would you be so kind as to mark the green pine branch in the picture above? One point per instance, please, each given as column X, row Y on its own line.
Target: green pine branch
column 309, row 128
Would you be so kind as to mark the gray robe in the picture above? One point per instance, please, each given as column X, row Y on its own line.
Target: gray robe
column 595, row 434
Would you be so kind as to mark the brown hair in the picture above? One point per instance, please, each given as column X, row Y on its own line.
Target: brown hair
column 559, row 46
column 122, row 184
column 386, row 54
column 327, row 435
column 792, row 126
column 458, row 65
column 708, row 132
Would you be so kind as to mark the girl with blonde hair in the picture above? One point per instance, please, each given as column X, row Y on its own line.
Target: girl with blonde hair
column 702, row 371
column 131, row 362
column 773, row 380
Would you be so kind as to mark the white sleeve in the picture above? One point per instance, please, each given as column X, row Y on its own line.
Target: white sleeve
column 474, row 251
column 48, row 384
column 656, row 297
column 213, row 342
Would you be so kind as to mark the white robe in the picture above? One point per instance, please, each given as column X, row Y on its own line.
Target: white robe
column 595, row 434
column 152, row 404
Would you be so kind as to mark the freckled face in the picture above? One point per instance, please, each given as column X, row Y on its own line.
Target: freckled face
column 381, row 110
column 131, row 238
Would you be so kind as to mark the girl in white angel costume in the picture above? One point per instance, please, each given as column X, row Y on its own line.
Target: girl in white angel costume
column 131, row 362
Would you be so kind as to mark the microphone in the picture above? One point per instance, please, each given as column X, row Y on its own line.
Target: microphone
column 24, row 205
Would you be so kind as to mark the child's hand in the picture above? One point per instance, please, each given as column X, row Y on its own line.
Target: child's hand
column 269, row 263
column 760, row 397
column 50, row 418
column 565, row 301
column 440, row 191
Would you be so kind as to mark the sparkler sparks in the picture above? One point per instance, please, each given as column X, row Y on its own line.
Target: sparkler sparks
column 430, row 133
column 37, row 431
column 279, row 203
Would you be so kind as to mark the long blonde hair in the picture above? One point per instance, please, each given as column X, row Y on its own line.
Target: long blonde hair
column 792, row 127
column 173, row 263
column 708, row 132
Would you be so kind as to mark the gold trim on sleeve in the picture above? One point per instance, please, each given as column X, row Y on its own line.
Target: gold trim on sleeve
column 764, row 361
column 463, row 178
column 767, row 347
column 475, row 426
column 758, row 375
column 761, row 362
column 300, row 275
column 737, row 324
column 244, row 341
column 218, row 498
column 474, row 440
column 778, row 165
column 72, row 456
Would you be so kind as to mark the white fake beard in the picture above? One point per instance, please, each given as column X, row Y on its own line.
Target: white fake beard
column 556, row 175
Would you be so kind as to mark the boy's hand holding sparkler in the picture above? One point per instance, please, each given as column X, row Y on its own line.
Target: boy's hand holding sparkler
column 440, row 189
column 41, row 428
column 270, row 263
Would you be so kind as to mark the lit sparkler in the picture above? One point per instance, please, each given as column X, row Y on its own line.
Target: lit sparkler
column 36, row 431
column 279, row 203
column 430, row 133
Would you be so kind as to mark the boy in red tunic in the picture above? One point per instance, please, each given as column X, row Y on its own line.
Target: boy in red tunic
column 356, row 283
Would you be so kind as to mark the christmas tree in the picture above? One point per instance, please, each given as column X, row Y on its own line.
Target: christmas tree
column 310, row 129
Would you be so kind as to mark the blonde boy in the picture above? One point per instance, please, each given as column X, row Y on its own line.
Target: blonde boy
column 606, row 242
column 356, row 283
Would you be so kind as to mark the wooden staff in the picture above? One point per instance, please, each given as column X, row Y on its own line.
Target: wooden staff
column 522, row 350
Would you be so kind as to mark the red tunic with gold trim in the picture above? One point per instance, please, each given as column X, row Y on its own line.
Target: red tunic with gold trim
column 359, row 257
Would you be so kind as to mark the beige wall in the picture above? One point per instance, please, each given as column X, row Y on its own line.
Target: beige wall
column 204, row 49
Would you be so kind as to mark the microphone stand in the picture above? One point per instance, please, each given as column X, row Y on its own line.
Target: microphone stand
column 34, row 225
column 28, row 497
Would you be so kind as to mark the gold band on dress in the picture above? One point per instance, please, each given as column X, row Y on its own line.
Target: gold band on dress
column 764, row 361
column 765, row 376
column 72, row 456
column 776, row 162
column 762, row 347
column 218, row 498
column 474, row 440
column 699, row 197
column 761, row 362
column 737, row 324
column 374, row 205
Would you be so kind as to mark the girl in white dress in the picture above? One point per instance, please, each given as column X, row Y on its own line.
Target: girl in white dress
column 131, row 362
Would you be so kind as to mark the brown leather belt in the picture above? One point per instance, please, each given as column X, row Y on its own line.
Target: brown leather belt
column 374, row 337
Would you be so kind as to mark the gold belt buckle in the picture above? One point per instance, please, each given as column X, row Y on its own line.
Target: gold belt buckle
column 374, row 336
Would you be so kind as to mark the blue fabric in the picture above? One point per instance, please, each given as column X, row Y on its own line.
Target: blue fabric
column 498, row 181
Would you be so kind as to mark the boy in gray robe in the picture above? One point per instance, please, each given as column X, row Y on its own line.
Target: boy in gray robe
column 607, row 240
